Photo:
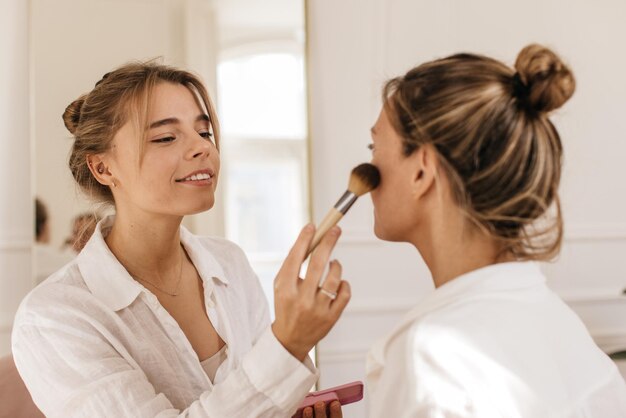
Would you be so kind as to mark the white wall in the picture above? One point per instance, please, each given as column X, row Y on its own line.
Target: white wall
column 74, row 43
column 355, row 45
column 16, row 208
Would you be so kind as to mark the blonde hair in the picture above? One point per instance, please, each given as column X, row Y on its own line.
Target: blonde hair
column 121, row 96
column 490, row 127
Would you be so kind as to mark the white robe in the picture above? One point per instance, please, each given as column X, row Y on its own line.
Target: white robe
column 493, row 343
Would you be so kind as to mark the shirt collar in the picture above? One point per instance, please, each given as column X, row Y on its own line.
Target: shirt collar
column 202, row 258
column 505, row 278
column 109, row 281
column 495, row 278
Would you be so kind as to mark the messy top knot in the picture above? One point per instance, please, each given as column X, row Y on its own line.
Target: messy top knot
column 121, row 96
column 548, row 82
column 71, row 116
column 497, row 146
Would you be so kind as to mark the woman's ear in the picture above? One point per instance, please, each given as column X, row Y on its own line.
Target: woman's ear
column 425, row 170
column 99, row 169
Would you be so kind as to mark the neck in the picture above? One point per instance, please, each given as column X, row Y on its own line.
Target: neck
column 147, row 245
column 451, row 247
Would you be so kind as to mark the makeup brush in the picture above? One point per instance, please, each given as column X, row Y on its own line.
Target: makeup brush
column 363, row 178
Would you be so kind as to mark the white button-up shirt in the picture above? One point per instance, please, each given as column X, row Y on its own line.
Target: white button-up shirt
column 493, row 343
column 92, row 342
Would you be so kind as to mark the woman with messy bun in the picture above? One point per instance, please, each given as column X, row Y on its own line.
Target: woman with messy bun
column 150, row 320
column 470, row 165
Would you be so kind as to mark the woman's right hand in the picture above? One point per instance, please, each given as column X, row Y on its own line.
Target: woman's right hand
column 304, row 312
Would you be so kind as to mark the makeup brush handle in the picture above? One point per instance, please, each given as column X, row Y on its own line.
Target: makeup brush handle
column 332, row 217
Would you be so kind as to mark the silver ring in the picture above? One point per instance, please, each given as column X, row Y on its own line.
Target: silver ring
column 331, row 295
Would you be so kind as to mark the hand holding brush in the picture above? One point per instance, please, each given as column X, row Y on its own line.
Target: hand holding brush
column 363, row 178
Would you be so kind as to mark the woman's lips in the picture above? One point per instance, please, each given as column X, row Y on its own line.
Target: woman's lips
column 198, row 178
column 197, row 182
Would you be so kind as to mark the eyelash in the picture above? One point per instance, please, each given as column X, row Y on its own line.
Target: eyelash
column 168, row 139
column 370, row 146
column 206, row 135
column 163, row 140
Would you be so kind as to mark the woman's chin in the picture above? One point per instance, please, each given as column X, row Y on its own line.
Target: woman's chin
column 379, row 232
column 200, row 207
column 387, row 234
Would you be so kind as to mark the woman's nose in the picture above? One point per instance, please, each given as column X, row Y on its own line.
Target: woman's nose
column 200, row 147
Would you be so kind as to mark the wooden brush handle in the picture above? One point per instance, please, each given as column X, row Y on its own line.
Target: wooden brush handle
column 332, row 217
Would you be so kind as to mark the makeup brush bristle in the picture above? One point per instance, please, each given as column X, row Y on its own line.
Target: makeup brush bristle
column 364, row 178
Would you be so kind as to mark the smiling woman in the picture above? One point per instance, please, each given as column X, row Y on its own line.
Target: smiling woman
column 99, row 128
column 150, row 319
column 163, row 177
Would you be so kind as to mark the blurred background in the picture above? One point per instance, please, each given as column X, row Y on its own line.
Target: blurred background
column 297, row 86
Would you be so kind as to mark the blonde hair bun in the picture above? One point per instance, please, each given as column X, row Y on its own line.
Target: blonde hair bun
column 549, row 83
column 71, row 116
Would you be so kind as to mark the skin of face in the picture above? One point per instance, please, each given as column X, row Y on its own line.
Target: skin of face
column 413, row 203
column 396, row 209
column 179, row 143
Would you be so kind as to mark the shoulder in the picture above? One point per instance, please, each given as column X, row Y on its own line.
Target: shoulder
column 440, row 367
column 61, row 296
column 420, row 339
column 429, row 351
column 423, row 356
column 49, row 260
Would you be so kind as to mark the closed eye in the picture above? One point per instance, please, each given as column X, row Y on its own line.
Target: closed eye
column 166, row 139
column 206, row 135
column 370, row 146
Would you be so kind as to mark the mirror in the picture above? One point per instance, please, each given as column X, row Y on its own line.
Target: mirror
column 250, row 55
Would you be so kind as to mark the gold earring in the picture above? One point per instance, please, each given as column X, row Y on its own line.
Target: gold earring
column 113, row 183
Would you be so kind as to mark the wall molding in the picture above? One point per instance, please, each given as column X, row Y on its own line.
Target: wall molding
column 16, row 245
column 596, row 232
column 378, row 306
column 609, row 340
column 401, row 306
column 346, row 355
column 591, row 297
column 573, row 234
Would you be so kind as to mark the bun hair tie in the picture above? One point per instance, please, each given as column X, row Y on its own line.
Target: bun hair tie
column 520, row 89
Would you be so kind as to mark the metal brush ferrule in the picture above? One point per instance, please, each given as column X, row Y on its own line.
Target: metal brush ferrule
column 345, row 202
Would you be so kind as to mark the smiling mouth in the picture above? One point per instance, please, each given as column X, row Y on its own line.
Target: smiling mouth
column 196, row 177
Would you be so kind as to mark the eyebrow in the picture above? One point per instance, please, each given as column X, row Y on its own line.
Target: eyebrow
column 174, row 121
column 372, row 130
